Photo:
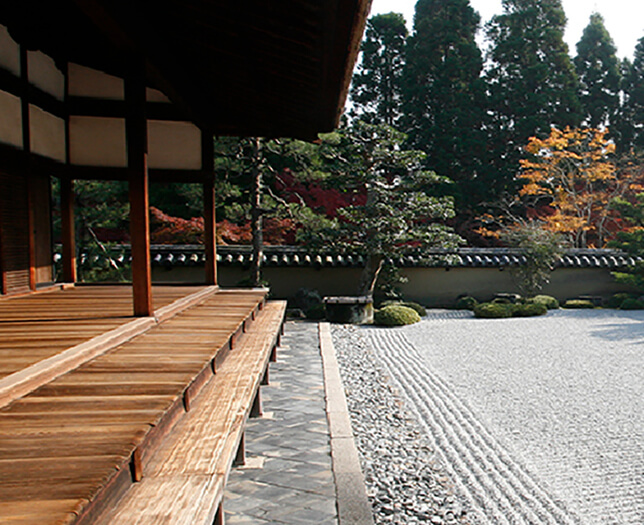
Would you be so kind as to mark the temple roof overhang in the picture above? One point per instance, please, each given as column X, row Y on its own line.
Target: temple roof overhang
column 249, row 67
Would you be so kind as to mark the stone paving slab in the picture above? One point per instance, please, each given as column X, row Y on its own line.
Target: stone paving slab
column 288, row 477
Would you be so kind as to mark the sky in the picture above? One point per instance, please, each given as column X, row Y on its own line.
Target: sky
column 624, row 19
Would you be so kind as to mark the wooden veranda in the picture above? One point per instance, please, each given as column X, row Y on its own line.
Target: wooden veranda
column 76, row 439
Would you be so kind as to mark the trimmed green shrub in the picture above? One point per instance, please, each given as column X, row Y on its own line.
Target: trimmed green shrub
column 547, row 300
column 501, row 300
column 466, row 303
column 530, row 310
column 578, row 304
column 316, row 312
column 504, row 310
column 395, row 315
column 616, row 300
column 494, row 310
column 631, row 304
column 420, row 309
column 305, row 298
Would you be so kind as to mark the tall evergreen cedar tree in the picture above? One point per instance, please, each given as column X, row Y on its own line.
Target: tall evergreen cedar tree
column 531, row 80
column 631, row 121
column 598, row 69
column 376, row 86
column 444, row 95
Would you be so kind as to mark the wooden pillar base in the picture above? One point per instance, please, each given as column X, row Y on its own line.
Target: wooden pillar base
column 256, row 409
column 240, row 457
column 219, row 516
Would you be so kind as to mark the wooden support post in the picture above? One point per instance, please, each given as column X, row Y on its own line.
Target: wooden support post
column 26, row 146
column 210, row 242
column 67, row 230
column 256, row 409
column 265, row 378
column 240, row 457
column 219, row 517
column 136, row 465
column 3, row 275
column 137, row 148
column 32, row 230
column 187, row 398
column 273, row 357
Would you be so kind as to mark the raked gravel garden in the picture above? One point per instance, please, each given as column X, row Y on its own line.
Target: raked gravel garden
column 500, row 421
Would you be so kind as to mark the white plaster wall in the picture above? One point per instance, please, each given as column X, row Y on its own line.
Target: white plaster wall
column 44, row 74
column 9, row 52
column 86, row 82
column 437, row 287
column 97, row 141
column 154, row 95
column 11, row 121
column 174, row 145
column 433, row 287
column 47, row 134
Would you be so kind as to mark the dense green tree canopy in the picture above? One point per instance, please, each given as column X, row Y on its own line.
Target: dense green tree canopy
column 393, row 209
column 444, row 95
column 598, row 69
column 531, row 79
column 376, row 88
column 631, row 123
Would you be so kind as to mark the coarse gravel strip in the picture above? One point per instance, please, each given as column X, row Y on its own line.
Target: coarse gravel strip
column 536, row 420
column 404, row 481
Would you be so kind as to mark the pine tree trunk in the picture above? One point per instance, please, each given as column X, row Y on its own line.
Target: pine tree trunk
column 369, row 275
column 256, row 216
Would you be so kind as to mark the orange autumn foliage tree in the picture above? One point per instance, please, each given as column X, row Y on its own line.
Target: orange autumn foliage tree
column 569, row 183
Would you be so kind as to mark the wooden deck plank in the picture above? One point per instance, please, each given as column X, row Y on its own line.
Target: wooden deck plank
column 89, row 404
column 80, row 430
column 185, row 478
column 44, row 325
column 24, row 512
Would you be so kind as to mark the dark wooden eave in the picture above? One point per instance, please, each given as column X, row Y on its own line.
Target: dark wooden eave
column 249, row 67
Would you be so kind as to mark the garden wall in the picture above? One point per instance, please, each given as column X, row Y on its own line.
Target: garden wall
column 429, row 286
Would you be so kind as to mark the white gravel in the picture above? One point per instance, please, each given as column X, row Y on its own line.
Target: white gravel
column 404, row 484
column 537, row 420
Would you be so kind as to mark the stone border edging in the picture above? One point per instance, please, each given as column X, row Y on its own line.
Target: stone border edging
column 351, row 495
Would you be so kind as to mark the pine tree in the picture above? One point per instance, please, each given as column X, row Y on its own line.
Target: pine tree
column 376, row 87
column 631, row 118
column 444, row 95
column 599, row 74
column 531, row 80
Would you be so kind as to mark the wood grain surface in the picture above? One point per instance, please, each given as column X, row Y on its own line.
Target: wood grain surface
column 68, row 445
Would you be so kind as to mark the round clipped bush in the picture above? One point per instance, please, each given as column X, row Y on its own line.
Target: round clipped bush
column 420, row 309
column 316, row 312
column 530, row 310
column 578, row 304
column 305, row 298
column 547, row 300
column 494, row 310
column 395, row 315
column 631, row 304
column 616, row 300
column 466, row 303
